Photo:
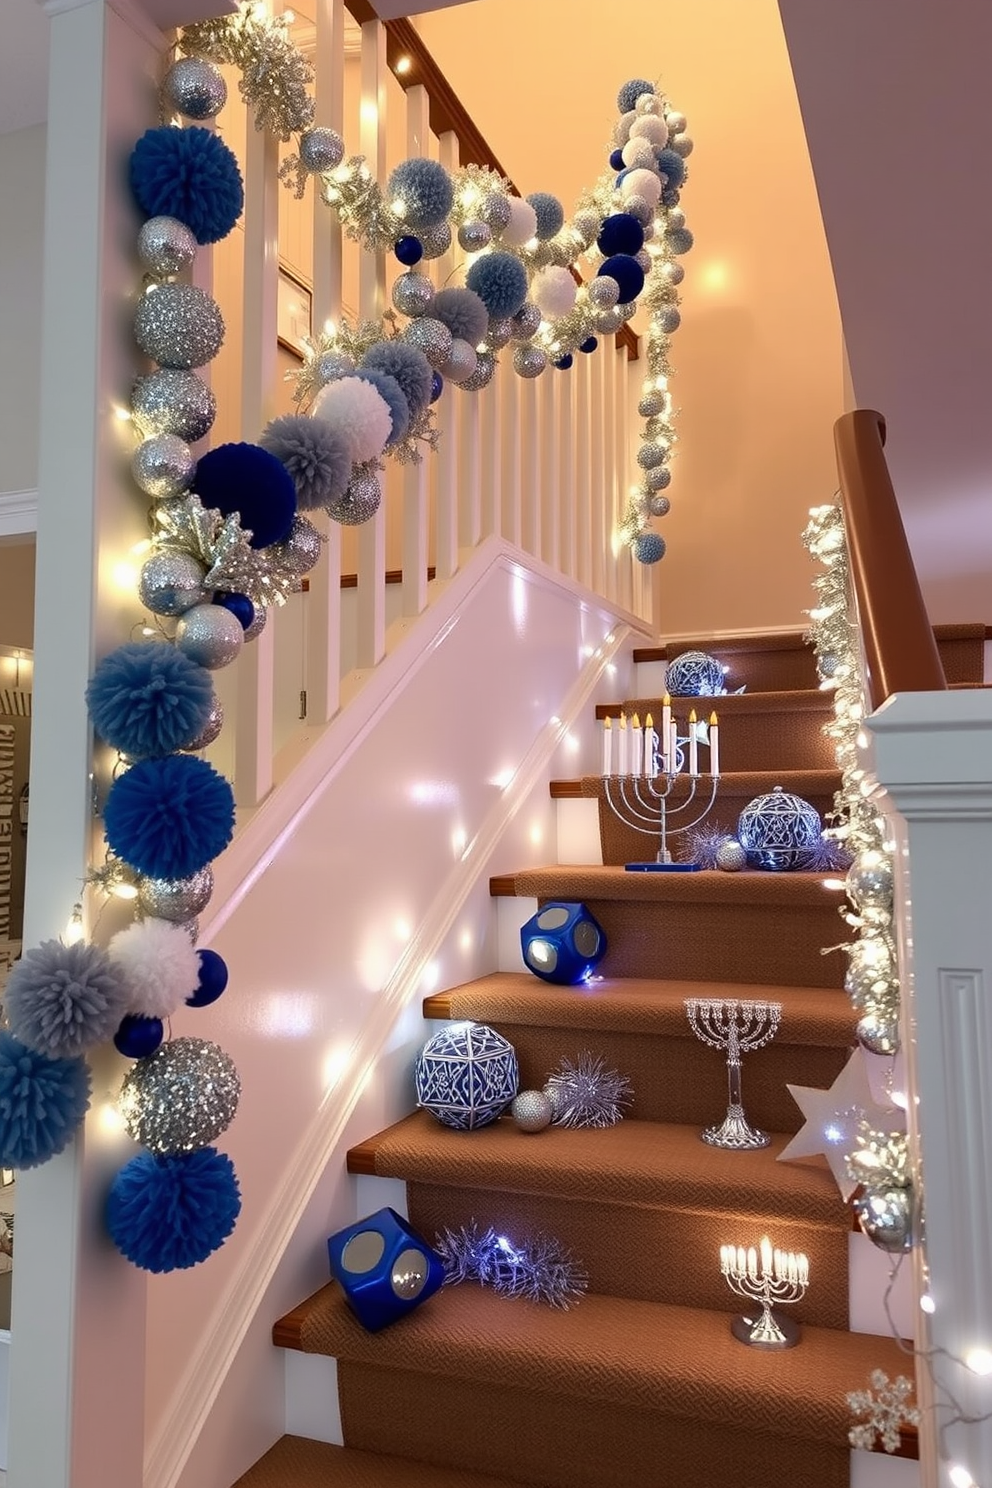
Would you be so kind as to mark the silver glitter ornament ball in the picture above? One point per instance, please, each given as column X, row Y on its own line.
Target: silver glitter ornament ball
column 529, row 361
column 215, row 722
column 526, row 321
column 495, row 211
column 675, row 273
column 171, row 583
column 587, row 225
column 166, row 246
column 432, row 337
column 668, row 318
column 676, row 122
column 181, row 1098
column 300, row 551
column 176, row 899
column 163, row 466
column 629, row 310
column 608, row 322
column 659, row 478
column 730, row 856
column 171, row 402
column 320, row 150
column 359, row 502
column 210, row 635
column 869, row 880
column 886, row 1217
column 658, row 506
column 877, row 1034
column 643, row 260
column 499, row 332
column 652, row 403
column 460, row 363
column 649, row 455
column 474, row 236
column 331, row 365
column 435, row 240
column 194, row 88
column 531, row 1110
column 676, row 217
column 682, row 145
column 603, row 292
column 178, row 325
column 255, row 628
column 412, row 294
column 485, row 368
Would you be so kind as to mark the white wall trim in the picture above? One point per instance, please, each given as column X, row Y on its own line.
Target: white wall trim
column 18, row 513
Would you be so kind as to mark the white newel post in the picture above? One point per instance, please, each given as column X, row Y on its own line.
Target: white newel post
column 933, row 758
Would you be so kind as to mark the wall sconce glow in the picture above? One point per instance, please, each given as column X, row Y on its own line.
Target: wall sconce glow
column 572, row 742
column 431, row 976
column 125, row 576
column 715, row 276
column 502, row 780
column 465, row 940
column 403, row 65
column 536, row 835
column 518, row 602
column 459, row 838
column 123, row 415
column 289, row 1015
column 433, row 793
column 368, row 113
column 402, row 930
column 979, row 1360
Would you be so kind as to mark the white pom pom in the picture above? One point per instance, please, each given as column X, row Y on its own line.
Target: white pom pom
column 651, row 128
column 357, row 411
column 638, row 154
column 522, row 225
column 648, row 103
column 553, row 292
column 160, row 965
column 643, row 183
column 621, row 129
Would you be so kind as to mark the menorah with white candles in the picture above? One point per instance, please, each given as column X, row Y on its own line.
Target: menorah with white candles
column 640, row 767
column 769, row 1277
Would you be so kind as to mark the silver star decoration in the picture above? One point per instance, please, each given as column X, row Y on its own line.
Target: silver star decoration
column 833, row 1120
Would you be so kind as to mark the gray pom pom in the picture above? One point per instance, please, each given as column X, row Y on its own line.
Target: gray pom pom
column 314, row 453
column 462, row 312
column 61, row 1000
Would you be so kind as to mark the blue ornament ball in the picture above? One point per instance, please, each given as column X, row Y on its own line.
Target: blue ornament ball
column 138, row 1036
column 628, row 274
column 549, row 212
column 42, row 1102
column 500, row 281
column 240, row 607
column 421, row 192
column 563, row 363
column 409, row 251
column 466, row 1075
column 589, row 344
column 671, row 164
column 213, row 979
column 631, row 92
column 649, row 547
column 780, row 831
column 149, row 699
column 168, row 818
column 189, row 174
column 169, row 1213
column 246, row 479
column 437, row 386
column 616, row 160
column 694, row 674
column 620, row 233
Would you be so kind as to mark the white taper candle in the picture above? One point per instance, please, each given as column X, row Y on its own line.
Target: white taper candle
column 714, row 745
column 607, row 746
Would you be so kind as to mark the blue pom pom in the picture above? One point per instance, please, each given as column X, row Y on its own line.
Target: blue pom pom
column 589, row 344
column 462, row 312
column 409, row 251
column 649, row 547
column 42, row 1101
column 628, row 274
column 424, row 187
column 550, row 214
column 671, row 196
column 616, row 160
column 671, row 164
column 190, row 174
column 631, row 92
column 170, row 1213
column 138, row 1036
column 246, row 479
column 168, row 818
column 437, row 386
column 212, row 982
column 239, row 605
column 149, row 699
column 500, row 281
column 678, row 240
column 408, row 365
column 563, row 363
column 391, row 394
column 620, row 233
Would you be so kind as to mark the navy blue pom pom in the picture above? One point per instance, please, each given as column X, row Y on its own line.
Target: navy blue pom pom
column 563, row 363
column 138, row 1036
column 437, row 386
column 246, row 479
column 169, row 817
column 42, row 1101
column 589, row 344
column 212, row 982
column 239, row 605
column 631, row 92
column 616, row 160
column 149, row 699
column 170, row 1213
column 190, row 174
column 628, row 274
column 671, row 164
column 500, row 281
column 550, row 214
column 620, row 233
column 409, row 251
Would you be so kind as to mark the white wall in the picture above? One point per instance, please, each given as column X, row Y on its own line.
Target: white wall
column 22, row 190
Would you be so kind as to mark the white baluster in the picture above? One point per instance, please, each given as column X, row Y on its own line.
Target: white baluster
column 623, row 451
column 530, row 465
column 566, row 472
column 598, row 473
column 606, row 354
column 416, row 501
column 510, row 419
column 447, row 456
column 491, row 451
column 584, row 471
column 549, row 412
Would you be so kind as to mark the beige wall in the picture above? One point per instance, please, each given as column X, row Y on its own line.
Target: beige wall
column 22, row 189
column 16, row 595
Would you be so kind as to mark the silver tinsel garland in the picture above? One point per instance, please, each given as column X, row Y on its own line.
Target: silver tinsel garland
column 540, row 1270
column 224, row 546
column 275, row 77
column 586, row 1093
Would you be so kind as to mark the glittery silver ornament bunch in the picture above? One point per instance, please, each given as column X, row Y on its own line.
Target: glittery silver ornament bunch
column 540, row 1269
column 176, row 899
column 584, row 1092
column 181, row 1098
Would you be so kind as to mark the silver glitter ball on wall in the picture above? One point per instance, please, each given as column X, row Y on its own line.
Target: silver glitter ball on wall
column 658, row 506
column 649, row 455
column 529, row 361
column 435, row 240
column 181, row 1098
column 603, row 292
column 485, row 367
column 210, row 635
column 194, row 88
column 652, row 402
column 474, row 236
column 531, row 1110
column 608, row 322
column 331, row 365
column 460, row 363
column 359, row 502
column 166, row 246
column 432, row 337
column 658, row 478
column 499, row 332
column 178, row 325
column 176, row 899
column 412, row 294
column 495, row 211
column 211, row 729
column 300, row 551
column 730, row 856
column 877, row 1034
column 171, row 583
column 886, row 1217
column 171, row 402
column 163, row 466
column 668, row 318
column 526, row 321
column 321, row 150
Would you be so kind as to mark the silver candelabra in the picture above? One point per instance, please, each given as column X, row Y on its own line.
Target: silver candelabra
column 640, row 771
column 768, row 1277
column 737, row 1028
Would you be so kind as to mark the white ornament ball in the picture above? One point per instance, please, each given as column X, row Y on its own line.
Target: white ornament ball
column 354, row 408
column 648, row 103
column 461, row 361
column 159, row 965
column 211, row 635
column 638, row 154
column 553, row 292
column 676, row 122
column 682, row 145
column 522, row 225
column 531, row 1110
column 622, row 128
column 642, row 183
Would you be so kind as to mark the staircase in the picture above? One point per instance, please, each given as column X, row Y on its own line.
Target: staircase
column 642, row 1381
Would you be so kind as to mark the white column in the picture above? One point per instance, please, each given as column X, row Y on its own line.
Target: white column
column 566, row 472
column 933, row 757
column 416, row 503
column 491, row 416
column 584, row 477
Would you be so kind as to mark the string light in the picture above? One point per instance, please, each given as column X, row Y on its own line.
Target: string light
column 74, row 931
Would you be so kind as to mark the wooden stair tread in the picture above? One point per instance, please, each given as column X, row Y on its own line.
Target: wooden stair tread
column 782, row 640
column 297, row 1462
column 630, row 1354
column 642, row 1005
column 593, row 881
column 732, row 782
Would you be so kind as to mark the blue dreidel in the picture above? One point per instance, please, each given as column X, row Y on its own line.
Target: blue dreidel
column 562, row 943
column 384, row 1268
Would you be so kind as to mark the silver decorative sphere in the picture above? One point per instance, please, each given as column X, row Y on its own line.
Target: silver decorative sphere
column 166, row 246
column 300, row 551
column 877, row 1034
column 658, row 478
column 412, row 294
column 432, row 337
column 359, row 502
column 675, row 273
column 163, row 466
column 526, row 321
column 171, row 583
column 730, row 856
column 176, row 899
column 495, row 211
column 603, row 292
column 331, row 365
column 435, row 240
column 531, row 1110
column 499, row 332
column 658, row 506
column 643, row 260
column 886, row 1217
column 460, row 363
column 652, row 402
column 256, row 627
column 608, row 322
column 649, row 455
column 676, row 122
column 529, row 361
column 869, row 880
column 194, row 88
column 587, row 225
column 215, row 722
column 668, row 318
column 485, row 368
column 172, row 402
column 474, row 236
column 321, row 150
column 682, row 145
column 639, row 207
column 181, row 1098
column 210, row 635
column 827, row 663
column 178, row 325
column 628, row 311
column 676, row 217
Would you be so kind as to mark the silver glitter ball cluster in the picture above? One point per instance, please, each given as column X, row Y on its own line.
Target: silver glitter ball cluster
column 731, row 857
column 474, row 236
column 495, row 211
column 649, row 455
column 215, row 721
column 877, row 1034
column 499, row 332
column 532, row 1110
column 460, row 363
column 658, row 478
column 300, row 551
column 163, row 466
column 173, row 402
column 179, row 326
column 869, row 880
column 176, row 899
column 321, row 150
column 435, row 240
column 603, row 292
column 166, row 246
column 412, row 294
column 432, row 337
column 194, row 88
column 674, row 273
column 529, row 361
column 485, row 368
column 608, row 322
column 359, row 502
column 182, row 1097
column 171, row 583
column 639, row 207
column 668, row 318
column 526, row 321
column 211, row 635
column 331, row 365
column 886, row 1217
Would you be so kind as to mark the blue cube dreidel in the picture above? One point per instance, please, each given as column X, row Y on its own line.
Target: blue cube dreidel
column 384, row 1268
column 562, row 943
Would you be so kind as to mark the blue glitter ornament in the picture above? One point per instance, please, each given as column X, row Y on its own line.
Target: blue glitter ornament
column 212, row 982
column 500, row 281
column 780, row 831
column 409, row 251
column 246, row 479
column 466, row 1075
column 240, row 607
column 189, row 174
column 42, row 1102
column 549, row 212
column 631, row 92
column 138, row 1036
column 169, row 1213
column 149, row 699
column 421, row 192
column 589, row 344
column 694, row 674
column 168, row 818
column 649, row 547
column 620, row 233
column 628, row 274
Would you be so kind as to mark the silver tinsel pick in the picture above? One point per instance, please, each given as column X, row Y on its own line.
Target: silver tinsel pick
column 886, row 1409
column 275, row 75
column 224, row 546
column 540, row 1270
column 586, row 1093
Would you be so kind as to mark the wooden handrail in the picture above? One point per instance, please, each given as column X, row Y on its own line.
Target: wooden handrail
column 900, row 651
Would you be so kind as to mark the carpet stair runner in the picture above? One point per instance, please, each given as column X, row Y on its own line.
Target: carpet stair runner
column 642, row 1380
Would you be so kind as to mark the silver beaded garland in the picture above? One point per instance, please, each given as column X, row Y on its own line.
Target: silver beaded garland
column 658, row 506
column 215, row 720
column 171, row 583
column 460, row 363
column 321, row 150
column 485, row 367
column 359, row 502
column 166, row 246
column 658, row 478
column 474, row 236
column 526, row 321
column 432, row 337
column 178, row 325
column 210, row 635
column 172, row 402
column 529, row 361
column 182, row 1097
column 649, row 455
column 176, row 899
column 435, row 240
column 331, row 365
column 163, row 466
column 499, row 332
column 412, row 294
column 603, row 292
column 194, row 88
column 495, row 211
column 300, row 551
column 730, row 856
column 531, row 1110
column 652, row 402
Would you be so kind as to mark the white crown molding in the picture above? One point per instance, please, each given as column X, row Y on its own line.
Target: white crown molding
column 18, row 512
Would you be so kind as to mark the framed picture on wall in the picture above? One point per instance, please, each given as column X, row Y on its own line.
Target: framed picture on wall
column 295, row 312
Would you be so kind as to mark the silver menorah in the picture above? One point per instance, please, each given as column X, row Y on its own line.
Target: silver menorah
column 737, row 1028
column 768, row 1277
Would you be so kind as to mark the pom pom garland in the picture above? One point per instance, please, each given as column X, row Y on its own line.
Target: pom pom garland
column 358, row 413
column 317, row 456
column 462, row 312
column 408, row 366
column 42, row 1102
column 168, row 818
column 522, row 225
column 247, row 479
column 554, row 291
column 158, row 966
column 631, row 92
column 63, row 999
column 628, row 274
column 189, row 174
column 419, row 193
column 549, row 214
column 149, row 699
column 169, row 1213
column 500, row 281
column 643, row 183
column 391, row 394
column 620, row 233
